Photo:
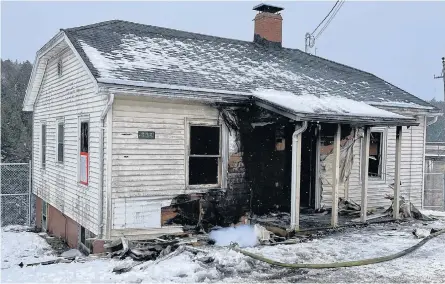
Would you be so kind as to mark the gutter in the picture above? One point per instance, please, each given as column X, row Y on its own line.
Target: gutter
column 101, row 163
column 296, row 175
column 435, row 118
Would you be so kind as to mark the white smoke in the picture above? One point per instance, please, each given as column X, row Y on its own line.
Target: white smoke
column 243, row 235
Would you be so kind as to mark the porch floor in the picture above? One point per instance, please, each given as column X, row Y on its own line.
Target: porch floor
column 315, row 220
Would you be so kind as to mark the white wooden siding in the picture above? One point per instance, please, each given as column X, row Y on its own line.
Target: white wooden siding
column 411, row 170
column 67, row 97
column 145, row 170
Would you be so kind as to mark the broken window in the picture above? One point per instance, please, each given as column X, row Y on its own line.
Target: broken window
column 204, row 157
column 43, row 146
column 375, row 154
column 84, row 151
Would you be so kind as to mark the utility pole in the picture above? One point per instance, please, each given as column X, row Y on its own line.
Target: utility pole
column 442, row 76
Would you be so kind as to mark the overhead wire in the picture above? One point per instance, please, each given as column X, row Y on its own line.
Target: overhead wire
column 335, row 5
column 330, row 19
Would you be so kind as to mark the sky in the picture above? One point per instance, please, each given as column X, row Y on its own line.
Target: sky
column 401, row 42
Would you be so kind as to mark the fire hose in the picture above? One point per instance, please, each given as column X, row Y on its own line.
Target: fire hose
column 368, row 261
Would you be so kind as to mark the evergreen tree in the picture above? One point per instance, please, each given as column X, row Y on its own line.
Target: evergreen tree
column 16, row 124
column 436, row 131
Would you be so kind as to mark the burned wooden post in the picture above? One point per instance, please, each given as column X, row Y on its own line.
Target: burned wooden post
column 396, row 203
column 364, row 174
column 335, row 176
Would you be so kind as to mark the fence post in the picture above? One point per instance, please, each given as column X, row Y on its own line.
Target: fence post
column 29, row 192
column 443, row 190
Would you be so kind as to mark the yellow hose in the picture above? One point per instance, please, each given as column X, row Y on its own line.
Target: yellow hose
column 339, row 264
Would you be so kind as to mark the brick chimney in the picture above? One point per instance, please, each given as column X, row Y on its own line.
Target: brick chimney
column 268, row 24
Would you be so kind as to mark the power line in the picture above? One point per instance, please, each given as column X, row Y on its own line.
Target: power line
column 326, row 17
column 329, row 20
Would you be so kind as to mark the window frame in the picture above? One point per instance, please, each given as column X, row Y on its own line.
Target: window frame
column 384, row 157
column 83, row 119
column 206, row 123
column 44, row 220
column 43, row 145
column 60, row 121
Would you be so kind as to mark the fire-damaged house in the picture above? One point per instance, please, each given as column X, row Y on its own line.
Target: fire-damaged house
column 141, row 130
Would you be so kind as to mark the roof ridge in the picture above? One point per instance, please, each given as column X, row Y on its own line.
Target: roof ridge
column 99, row 24
column 184, row 31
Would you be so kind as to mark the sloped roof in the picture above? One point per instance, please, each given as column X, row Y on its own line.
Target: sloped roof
column 119, row 51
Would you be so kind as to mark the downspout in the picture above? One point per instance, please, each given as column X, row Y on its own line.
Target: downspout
column 296, row 174
column 101, row 163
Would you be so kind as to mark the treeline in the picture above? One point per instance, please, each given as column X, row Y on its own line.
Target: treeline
column 436, row 131
column 16, row 124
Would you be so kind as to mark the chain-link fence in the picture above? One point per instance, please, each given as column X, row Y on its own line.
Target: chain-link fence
column 434, row 191
column 16, row 197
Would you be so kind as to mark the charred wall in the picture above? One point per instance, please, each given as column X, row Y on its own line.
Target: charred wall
column 264, row 141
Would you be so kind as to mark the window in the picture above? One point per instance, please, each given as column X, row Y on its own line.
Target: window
column 60, row 141
column 44, row 215
column 84, row 151
column 204, row 155
column 59, row 68
column 43, row 145
column 375, row 154
column 85, row 236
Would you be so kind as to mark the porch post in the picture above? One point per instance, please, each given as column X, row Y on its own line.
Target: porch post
column 396, row 203
column 364, row 159
column 335, row 176
column 296, row 176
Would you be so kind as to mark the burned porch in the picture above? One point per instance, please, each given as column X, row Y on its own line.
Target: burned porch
column 297, row 153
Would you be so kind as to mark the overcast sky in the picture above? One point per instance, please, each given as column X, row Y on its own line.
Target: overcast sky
column 402, row 42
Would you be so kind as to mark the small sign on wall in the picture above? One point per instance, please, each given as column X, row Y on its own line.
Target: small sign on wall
column 146, row 134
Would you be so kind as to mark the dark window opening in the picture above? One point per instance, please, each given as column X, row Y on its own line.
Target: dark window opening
column 204, row 155
column 82, row 235
column 43, row 145
column 60, row 141
column 84, row 137
column 204, row 140
column 44, row 215
column 375, row 154
column 203, row 170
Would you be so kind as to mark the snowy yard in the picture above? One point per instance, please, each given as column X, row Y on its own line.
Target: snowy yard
column 424, row 265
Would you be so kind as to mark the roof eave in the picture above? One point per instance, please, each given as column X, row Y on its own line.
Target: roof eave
column 347, row 119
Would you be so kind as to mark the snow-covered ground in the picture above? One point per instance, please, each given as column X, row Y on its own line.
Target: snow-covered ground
column 427, row 264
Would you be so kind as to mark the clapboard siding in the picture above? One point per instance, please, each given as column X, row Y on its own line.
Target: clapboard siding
column 145, row 170
column 67, row 97
column 411, row 169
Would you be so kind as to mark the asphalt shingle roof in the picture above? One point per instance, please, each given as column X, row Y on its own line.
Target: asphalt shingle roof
column 120, row 50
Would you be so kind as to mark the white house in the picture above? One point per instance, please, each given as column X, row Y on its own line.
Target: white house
column 131, row 119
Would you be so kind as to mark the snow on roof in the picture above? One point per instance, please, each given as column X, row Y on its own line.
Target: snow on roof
column 312, row 104
column 120, row 50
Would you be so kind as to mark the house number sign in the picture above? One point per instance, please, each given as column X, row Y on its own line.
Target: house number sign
column 146, row 134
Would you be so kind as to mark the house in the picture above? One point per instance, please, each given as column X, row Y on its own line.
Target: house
column 131, row 122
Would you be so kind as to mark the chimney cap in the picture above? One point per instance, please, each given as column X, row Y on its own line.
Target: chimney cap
column 267, row 8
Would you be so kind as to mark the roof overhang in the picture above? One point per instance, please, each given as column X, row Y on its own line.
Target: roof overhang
column 372, row 116
column 124, row 88
column 407, row 108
